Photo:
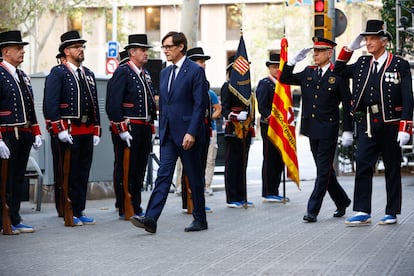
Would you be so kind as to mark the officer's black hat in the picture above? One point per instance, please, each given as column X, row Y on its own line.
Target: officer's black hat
column 322, row 43
column 137, row 41
column 124, row 57
column 70, row 38
column 11, row 38
column 59, row 55
column 377, row 27
column 196, row 54
column 273, row 59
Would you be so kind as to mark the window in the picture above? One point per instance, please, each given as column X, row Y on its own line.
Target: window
column 234, row 17
column 152, row 23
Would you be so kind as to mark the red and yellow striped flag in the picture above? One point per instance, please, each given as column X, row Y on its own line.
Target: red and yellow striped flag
column 281, row 124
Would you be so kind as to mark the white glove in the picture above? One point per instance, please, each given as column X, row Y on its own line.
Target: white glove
column 125, row 136
column 242, row 116
column 356, row 43
column 347, row 139
column 4, row 150
column 65, row 137
column 96, row 140
column 299, row 56
column 37, row 142
column 403, row 138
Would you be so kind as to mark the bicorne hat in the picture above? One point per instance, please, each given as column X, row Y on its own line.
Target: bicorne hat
column 196, row 54
column 11, row 38
column 70, row 38
column 376, row 27
column 123, row 56
column 322, row 43
column 137, row 41
column 273, row 59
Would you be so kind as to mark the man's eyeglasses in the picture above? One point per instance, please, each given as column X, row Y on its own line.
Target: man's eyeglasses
column 77, row 47
column 167, row 47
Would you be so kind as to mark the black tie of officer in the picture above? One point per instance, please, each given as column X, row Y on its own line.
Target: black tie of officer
column 375, row 67
column 319, row 73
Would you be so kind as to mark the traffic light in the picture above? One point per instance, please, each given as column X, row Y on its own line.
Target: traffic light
column 322, row 23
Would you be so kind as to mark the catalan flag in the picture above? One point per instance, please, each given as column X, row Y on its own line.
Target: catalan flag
column 239, row 84
column 281, row 129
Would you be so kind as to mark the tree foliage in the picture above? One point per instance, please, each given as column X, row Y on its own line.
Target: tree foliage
column 405, row 31
column 24, row 15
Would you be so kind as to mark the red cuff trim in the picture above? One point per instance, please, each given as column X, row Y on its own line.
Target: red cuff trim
column 406, row 126
column 57, row 126
column 345, row 54
column 36, row 130
column 97, row 131
column 119, row 127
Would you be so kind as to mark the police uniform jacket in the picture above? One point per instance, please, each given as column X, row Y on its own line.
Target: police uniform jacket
column 396, row 96
column 62, row 100
column 264, row 93
column 320, row 101
column 16, row 107
column 129, row 97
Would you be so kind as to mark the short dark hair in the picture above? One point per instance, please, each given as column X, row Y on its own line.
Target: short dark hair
column 177, row 38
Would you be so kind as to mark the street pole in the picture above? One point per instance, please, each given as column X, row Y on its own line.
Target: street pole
column 114, row 20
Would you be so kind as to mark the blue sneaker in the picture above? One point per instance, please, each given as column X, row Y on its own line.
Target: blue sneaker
column 234, row 204
column 274, row 198
column 249, row 203
column 77, row 221
column 209, row 210
column 23, row 228
column 142, row 214
column 14, row 231
column 358, row 219
column 388, row 219
column 87, row 220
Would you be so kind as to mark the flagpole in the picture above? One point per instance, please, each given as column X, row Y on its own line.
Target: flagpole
column 284, row 185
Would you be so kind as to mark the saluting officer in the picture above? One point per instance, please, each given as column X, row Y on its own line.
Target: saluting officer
column 382, row 105
column 322, row 92
column 272, row 167
column 19, row 129
column 72, row 113
column 131, row 110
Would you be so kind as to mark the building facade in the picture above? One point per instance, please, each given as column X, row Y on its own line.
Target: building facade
column 263, row 24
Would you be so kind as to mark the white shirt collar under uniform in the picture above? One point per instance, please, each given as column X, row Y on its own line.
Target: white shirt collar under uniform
column 381, row 60
column 12, row 70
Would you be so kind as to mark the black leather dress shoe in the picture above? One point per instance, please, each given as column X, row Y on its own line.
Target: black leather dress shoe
column 309, row 218
column 148, row 223
column 340, row 212
column 196, row 226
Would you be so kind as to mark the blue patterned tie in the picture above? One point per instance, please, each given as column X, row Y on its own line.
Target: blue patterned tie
column 172, row 77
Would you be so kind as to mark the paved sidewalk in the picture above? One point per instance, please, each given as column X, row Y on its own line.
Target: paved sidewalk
column 269, row 239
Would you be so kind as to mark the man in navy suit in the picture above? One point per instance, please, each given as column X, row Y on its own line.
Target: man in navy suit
column 182, row 104
column 322, row 92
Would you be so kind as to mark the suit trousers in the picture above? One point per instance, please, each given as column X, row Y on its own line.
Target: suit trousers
column 384, row 142
column 323, row 151
column 191, row 160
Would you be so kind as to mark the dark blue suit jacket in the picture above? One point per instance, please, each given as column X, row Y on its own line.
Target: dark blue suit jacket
column 182, row 109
